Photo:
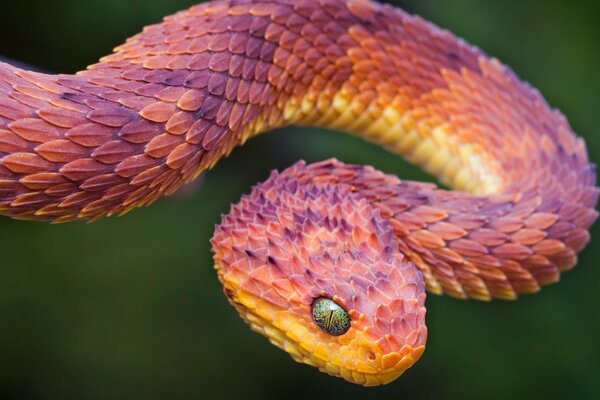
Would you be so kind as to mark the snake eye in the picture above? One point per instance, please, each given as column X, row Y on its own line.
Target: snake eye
column 330, row 317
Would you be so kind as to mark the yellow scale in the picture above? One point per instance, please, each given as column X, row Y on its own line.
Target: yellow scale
column 461, row 166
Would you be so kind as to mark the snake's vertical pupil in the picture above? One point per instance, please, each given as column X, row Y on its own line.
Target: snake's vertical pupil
column 330, row 317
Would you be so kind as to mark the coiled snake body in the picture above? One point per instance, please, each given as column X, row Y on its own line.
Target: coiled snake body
column 171, row 101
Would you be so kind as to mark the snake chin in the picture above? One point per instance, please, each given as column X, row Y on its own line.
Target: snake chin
column 288, row 243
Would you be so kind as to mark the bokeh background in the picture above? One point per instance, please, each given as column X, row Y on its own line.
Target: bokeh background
column 131, row 308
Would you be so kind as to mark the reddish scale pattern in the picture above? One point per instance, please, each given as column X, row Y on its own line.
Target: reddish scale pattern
column 202, row 81
column 174, row 99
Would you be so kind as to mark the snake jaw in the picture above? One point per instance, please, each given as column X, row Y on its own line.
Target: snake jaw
column 287, row 244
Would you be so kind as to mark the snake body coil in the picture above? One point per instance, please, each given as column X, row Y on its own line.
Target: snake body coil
column 174, row 99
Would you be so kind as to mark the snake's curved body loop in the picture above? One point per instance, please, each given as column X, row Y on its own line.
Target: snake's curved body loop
column 174, row 99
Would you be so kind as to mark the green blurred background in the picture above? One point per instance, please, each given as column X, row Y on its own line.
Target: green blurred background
column 131, row 308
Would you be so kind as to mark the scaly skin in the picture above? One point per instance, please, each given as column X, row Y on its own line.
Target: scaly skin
column 174, row 99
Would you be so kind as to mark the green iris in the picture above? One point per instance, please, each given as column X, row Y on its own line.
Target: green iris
column 330, row 317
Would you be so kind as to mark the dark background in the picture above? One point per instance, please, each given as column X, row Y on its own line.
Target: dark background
column 131, row 308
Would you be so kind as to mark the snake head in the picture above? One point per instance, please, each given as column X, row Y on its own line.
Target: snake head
column 288, row 246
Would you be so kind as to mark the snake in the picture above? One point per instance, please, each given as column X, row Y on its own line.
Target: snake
column 329, row 261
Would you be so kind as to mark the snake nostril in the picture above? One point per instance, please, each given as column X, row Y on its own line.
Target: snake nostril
column 371, row 356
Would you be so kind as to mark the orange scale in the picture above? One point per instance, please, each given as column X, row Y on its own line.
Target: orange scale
column 34, row 130
column 60, row 151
